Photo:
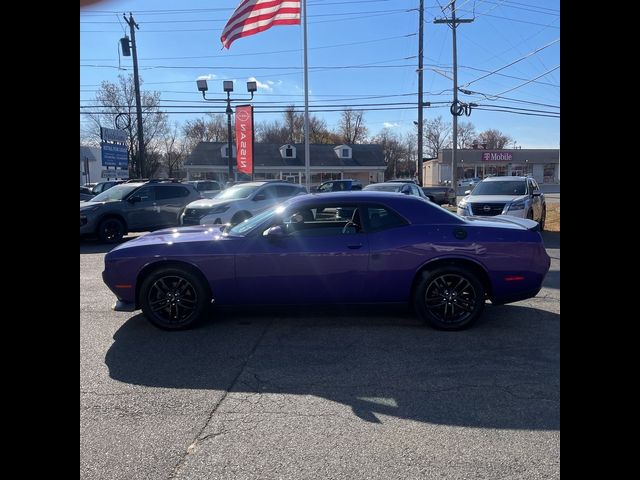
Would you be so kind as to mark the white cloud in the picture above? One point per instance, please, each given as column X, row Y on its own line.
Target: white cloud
column 264, row 86
column 390, row 125
column 211, row 76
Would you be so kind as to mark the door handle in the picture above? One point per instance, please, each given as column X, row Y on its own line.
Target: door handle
column 354, row 246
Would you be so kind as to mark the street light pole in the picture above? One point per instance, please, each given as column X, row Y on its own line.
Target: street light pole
column 229, row 136
column 228, row 88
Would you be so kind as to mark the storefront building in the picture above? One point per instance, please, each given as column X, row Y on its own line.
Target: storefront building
column 542, row 164
column 366, row 163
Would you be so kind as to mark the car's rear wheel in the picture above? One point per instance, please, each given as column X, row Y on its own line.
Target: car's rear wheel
column 111, row 230
column 449, row 297
column 173, row 298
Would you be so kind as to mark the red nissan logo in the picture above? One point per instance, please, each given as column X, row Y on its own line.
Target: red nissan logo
column 242, row 115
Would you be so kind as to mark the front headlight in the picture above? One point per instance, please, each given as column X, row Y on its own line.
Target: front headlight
column 217, row 209
column 517, row 205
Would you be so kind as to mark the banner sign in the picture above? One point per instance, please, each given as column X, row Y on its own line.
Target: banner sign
column 115, row 155
column 244, row 138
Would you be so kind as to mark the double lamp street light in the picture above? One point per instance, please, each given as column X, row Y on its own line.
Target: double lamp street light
column 227, row 86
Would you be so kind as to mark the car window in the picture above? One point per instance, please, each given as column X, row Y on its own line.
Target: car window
column 171, row 191
column 325, row 219
column 326, row 187
column 116, row 193
column 270, row 191
column 378, row 218
column 146, row 194
column 284, row 191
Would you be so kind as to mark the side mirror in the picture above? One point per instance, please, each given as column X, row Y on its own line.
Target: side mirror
column 273, row 232
column 259, row 197
column 134, row 199
column 536, row 193
column 467, row 192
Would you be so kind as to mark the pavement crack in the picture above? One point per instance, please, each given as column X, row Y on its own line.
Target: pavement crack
column 198, row 439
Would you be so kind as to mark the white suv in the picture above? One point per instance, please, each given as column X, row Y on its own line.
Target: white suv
column 237, row 203
column 515, row 196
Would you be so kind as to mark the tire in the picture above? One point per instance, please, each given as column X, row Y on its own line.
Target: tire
column 174, row 298
column 111, row 230
column 530, row 214
column 240, row 217
column 449, row 298
column 543, row 218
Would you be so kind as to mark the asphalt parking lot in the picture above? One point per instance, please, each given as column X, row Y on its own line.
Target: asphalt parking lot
column 331, row 393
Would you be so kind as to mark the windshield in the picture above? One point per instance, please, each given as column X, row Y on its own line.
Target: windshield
column 115, row 193
column 245, row 227
column 239, row 191
column 515, row 187
column 383, row 187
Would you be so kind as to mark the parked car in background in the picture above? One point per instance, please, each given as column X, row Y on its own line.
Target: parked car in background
column 100, row 187
column 440, row 195
column 408, row 188
column 392, row 249
column 468, row 182
column 237, row 203
column 207, row 188
column 135, row 207
column 339, row 186
column 506, row 195
column 86, row 194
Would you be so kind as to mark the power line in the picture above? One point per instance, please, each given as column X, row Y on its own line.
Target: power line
column 506, row 4
column 529, row 81
column 517, row 113
column 513, row 63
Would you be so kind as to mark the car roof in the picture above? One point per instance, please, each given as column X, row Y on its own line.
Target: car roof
column 504, row 178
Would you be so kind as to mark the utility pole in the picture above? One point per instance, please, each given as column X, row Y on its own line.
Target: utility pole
column 131, row 22
column 420, row 91
column 453, row 23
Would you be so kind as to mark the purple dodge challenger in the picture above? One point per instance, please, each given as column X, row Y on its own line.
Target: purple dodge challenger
column 353, row 247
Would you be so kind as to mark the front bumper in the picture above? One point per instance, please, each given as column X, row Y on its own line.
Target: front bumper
column 467, row 211
column 87, row 224
column 211, row 219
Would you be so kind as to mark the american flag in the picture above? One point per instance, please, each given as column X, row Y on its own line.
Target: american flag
column 255, row 16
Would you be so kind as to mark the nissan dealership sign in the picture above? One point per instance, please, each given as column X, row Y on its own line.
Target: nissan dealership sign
column 497, row 157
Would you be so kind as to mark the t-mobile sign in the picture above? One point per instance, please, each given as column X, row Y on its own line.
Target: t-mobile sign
column 244, row 138
column 497, row 157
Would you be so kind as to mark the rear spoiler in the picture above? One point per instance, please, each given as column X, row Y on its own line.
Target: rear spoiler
column 523, row 222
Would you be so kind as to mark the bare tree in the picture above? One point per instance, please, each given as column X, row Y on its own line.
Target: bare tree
column 466, row 134
column 495, row 139
column 118, row 100
column 395, row 154
column 174, row 152
column 271, row 132
column 351, row 128
column 211, row 129
column 437, row 135
column 294, row 125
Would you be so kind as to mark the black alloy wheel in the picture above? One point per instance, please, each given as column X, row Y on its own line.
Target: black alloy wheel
column 111, row 230
column 173, row 298
column 449, row 298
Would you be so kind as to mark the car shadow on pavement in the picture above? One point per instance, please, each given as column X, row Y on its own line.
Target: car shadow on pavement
column 502, row 373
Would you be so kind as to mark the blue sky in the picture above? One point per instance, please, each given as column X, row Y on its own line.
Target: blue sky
column 356, row 49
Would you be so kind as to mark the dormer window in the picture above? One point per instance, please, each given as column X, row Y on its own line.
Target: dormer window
column 288, row 151
column 343, row 151
column 224, row 151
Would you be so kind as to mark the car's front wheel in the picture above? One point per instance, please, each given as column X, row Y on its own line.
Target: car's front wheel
column 111, row 230
column 174, row 298
column 543, row 218
column 449, row 297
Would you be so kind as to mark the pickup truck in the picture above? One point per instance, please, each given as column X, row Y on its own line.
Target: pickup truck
column 440, row 195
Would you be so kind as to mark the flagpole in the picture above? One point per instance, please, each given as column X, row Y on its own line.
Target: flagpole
column 307, row 160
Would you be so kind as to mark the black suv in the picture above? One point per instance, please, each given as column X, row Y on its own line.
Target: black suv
column 135, row 207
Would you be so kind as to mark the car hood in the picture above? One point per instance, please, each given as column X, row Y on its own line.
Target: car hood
column 210, row 202
column 90, row 203
column 503, row 221
column 177, row 235
column 494, row 198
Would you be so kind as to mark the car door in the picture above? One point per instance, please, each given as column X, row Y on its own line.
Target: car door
column 321, row 258
column 536, row 200
column 171, row 199
column 142, row 211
